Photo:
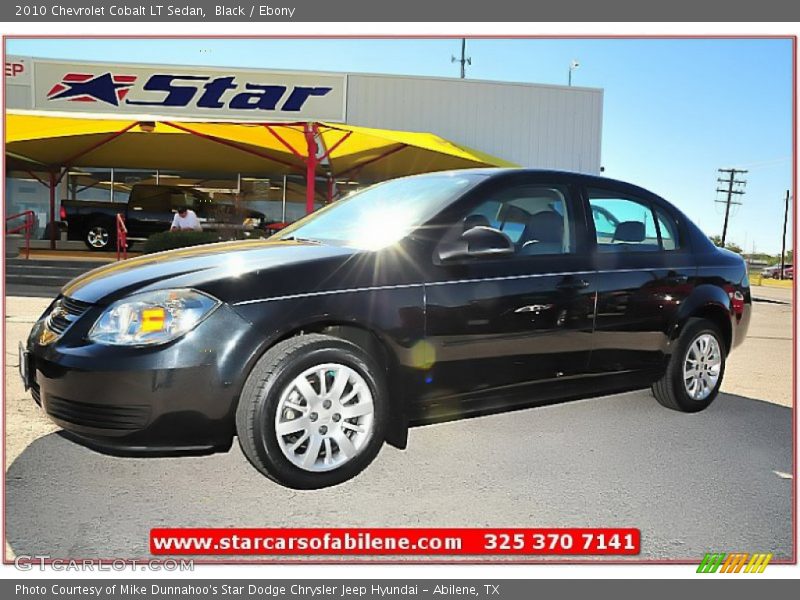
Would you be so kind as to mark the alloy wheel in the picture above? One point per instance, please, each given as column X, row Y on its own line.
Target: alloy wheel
column 97, row 237
column 702, row 366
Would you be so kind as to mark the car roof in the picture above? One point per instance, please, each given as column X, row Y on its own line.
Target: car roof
column 586, row 178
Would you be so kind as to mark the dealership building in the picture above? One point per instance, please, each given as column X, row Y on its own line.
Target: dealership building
column 280, row 141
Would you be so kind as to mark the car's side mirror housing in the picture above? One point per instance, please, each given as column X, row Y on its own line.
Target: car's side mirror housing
column 478, row 242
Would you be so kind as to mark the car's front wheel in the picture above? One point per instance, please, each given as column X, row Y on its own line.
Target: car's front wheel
column 312, row 412
column 695, row 370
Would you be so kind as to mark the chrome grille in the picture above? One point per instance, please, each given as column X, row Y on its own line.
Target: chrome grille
column 64, row 313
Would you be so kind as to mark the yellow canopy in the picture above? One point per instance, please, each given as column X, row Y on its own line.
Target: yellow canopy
column 251, row 148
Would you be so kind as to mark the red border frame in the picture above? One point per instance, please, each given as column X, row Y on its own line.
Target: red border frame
column 433, row 561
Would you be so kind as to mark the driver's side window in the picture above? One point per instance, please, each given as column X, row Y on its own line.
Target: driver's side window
column 534, row 218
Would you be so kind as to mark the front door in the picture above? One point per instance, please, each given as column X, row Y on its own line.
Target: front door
column 496, row 323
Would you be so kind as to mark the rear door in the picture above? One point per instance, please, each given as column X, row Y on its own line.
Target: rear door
column 518, row 319
column 644, row 273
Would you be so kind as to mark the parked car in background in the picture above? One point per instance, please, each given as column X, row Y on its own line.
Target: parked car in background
column 770, row 272
column 150, row 209
column 774, row 272
column 418, row 299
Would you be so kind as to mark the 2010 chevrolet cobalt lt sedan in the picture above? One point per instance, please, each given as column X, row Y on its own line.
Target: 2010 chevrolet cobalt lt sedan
column 423, row 298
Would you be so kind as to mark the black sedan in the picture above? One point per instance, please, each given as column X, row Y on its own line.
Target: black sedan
column 418, row 299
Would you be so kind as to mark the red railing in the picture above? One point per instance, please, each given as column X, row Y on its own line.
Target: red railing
column 122, row 237
column 27, row 227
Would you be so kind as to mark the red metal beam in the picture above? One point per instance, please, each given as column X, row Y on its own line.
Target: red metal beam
column 375, row 159
column 102, row 142
column 37, row 178
column 336, row 145
column 232, row 145
column 286, row 144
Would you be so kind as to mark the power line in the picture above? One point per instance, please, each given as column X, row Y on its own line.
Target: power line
column 735, row 188
column 464, row 60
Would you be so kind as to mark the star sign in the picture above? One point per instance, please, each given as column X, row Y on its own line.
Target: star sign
column 106, row 88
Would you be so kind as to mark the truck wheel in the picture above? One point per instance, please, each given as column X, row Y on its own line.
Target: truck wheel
column 98, row 237
column 313, row 412
column 695, row 370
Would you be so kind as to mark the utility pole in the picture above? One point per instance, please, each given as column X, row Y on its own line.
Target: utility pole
column 783, row 243
column 464, row 60
column 734, row 189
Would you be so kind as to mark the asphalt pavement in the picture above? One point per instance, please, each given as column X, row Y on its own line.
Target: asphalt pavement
column 720, row 480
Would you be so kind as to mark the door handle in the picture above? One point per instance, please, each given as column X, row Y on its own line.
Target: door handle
column 572, row 283
column 534, row 308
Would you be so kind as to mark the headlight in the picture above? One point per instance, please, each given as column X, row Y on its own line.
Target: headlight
column 152, row 317
column 251, row 223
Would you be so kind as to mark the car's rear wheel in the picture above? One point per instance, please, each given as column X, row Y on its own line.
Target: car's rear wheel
column 695, row 370
column 98, row 237
column 312, row 412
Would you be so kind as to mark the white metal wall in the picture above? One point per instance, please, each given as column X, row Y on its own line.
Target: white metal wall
column 532, row 125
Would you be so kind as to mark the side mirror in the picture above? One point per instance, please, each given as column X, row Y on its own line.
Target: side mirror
column 477, row 242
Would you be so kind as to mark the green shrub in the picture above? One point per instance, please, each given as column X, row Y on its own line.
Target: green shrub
column 169, row 240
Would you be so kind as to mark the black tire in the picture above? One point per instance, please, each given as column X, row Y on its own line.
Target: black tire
column 258, row 404
column 670, row 390
column 92, row 233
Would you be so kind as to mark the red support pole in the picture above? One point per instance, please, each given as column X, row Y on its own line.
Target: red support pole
column 53, row 183
column 311, row 167
column 28, row 230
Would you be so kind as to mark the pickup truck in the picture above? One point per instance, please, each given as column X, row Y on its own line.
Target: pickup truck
column 150, row 209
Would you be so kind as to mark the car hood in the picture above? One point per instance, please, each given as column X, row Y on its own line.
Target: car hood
column 229, row 270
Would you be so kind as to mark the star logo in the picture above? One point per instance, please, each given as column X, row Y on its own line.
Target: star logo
column 84, row 87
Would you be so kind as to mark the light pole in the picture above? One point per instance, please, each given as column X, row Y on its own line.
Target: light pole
column 464, row 60
column 573, row 66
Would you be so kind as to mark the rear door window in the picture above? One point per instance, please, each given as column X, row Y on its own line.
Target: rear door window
column 623, row 224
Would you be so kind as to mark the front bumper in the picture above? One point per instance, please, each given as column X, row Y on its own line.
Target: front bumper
column 177, row 398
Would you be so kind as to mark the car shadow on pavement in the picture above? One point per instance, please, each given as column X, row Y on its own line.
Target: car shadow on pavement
column 719, row 480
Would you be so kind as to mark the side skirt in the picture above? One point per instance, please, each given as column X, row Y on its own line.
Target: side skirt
column 510, row 398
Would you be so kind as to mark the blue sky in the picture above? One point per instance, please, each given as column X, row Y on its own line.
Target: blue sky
column 674, row 110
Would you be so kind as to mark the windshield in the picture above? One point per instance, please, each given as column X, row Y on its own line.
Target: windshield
column 382, row 214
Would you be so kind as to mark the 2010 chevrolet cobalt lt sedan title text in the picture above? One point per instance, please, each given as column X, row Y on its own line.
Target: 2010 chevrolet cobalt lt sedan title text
column 428, row 297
